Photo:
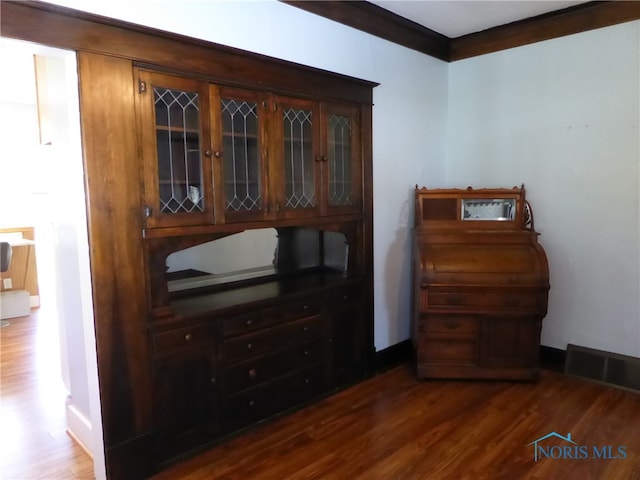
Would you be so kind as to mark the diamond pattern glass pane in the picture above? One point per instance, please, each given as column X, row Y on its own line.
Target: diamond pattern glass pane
column 242, row 189
column 298, row 159
column 178, row 143
column 339, row 160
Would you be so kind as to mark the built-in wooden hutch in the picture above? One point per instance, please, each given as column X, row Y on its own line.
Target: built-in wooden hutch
column 191, row 145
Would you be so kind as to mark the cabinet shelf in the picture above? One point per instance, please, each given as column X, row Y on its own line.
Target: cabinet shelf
column 175, row 129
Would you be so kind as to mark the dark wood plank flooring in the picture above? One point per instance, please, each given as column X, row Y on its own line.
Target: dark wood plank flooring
column 390, row 427
column 394, row 427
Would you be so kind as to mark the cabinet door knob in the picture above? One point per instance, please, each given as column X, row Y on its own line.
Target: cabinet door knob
column 251, row 403
column 188, row 337
column 249, row 346
column 217, row 154
column 249, row 322
column 252, row 373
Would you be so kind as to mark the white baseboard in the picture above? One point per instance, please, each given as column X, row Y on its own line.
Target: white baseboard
column 79, row 428
column 34, row 301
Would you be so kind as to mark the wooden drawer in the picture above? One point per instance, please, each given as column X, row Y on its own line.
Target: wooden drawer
column 265, row 368
column 484, row 299
column 449, row 351
column 272, row 339
column 263, row 401
column 449, row 324
column 183, row 339
column 243, row 324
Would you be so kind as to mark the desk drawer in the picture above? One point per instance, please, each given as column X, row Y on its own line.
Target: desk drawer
column 484, row 299
column 450, row 351
column 449, row 324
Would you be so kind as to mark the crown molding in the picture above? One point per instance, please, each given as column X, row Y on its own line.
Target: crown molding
column 377, row 21
column 577, row 19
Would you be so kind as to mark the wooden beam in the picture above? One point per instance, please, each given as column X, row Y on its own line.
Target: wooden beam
column 580, row 18
column 377, row 21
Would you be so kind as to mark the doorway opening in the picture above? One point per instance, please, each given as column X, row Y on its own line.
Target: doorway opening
column 52, row 349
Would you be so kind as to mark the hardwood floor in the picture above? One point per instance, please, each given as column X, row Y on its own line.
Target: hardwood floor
column 33, row 439
column 390, row 427
column 394, row 427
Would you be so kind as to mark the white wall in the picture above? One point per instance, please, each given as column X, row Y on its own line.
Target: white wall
column 409, row 112
column 562, row 117
column 43, row 186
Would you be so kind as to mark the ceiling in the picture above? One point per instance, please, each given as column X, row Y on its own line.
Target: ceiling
column 455, row 18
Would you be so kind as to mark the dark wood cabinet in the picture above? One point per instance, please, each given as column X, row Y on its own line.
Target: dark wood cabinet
column 185, row 378
column 481, row 282
column 218, row 160
column 214, row 154
column 234, row 355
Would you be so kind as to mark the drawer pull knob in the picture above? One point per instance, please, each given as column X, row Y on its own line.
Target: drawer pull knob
column 306, row 353
column 249, row 322
column 251, row 403
column 306, row 307
column 252, row 373
column 188, row 337
column 249, row 346
column 307, row 381
column 213, row 380
column 305, row 329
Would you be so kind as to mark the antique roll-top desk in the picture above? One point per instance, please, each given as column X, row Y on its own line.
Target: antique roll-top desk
column 481, row 281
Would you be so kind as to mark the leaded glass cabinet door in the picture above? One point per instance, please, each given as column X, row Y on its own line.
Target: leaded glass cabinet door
column 238, row 122
column 300, row 189
column 341, row 165
column 175, row 150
